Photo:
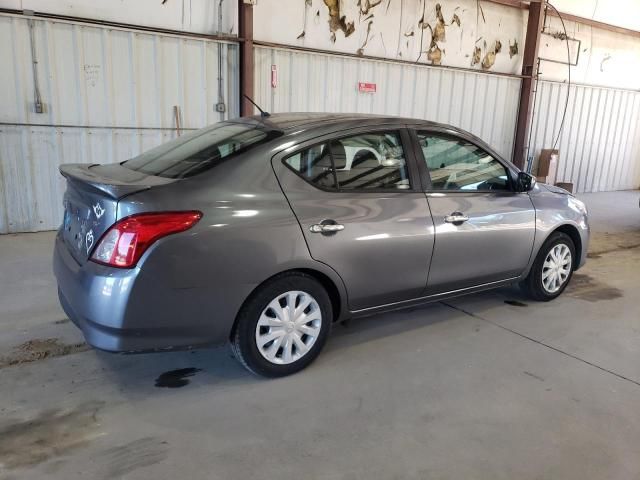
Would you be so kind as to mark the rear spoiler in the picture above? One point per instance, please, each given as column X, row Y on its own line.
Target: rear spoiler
column 114, row 180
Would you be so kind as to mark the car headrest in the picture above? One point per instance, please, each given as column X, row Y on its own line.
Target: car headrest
column 364, row 159
column 339, row 155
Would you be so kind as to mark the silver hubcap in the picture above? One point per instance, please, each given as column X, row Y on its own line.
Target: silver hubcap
column 288, row 327
column 556, row 268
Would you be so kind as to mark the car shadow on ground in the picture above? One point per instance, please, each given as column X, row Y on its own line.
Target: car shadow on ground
column 142, row 374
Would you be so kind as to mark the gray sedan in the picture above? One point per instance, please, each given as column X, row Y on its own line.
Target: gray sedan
column 264, row 231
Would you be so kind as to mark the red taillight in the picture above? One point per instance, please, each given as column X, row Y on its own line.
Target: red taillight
column 125, row 242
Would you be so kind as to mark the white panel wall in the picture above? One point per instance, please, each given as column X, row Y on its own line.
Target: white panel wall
column 599, row 147
column 605, row 58
column 108, row 95
column 483, row 104
column 198, row 16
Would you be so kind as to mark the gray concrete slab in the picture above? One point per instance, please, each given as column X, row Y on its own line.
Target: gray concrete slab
column 474, row 388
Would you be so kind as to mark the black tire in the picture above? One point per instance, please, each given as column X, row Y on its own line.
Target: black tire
column 243, row 340
column 532, row 285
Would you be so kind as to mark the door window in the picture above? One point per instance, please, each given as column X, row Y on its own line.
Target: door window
column 456, row 164
column 370, row 161
column 315, row 166
column 367, row 161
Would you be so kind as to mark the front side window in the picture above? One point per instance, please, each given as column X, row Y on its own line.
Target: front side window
column 201, row 150
column 456, row 164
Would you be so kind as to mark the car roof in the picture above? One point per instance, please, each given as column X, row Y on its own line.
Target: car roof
column 305, row 120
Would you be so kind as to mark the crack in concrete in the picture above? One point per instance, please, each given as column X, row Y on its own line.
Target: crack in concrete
column 550, row 347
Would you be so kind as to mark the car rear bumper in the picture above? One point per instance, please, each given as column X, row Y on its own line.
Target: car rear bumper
column 99, row 301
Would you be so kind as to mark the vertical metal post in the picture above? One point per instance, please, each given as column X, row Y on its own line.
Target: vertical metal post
column 245, row 13
column 529, row 71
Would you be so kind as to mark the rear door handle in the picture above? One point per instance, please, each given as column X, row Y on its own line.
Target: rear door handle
column 456, row 217
column 326, row 228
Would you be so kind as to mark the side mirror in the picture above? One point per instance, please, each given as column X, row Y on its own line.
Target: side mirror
column 525, row 182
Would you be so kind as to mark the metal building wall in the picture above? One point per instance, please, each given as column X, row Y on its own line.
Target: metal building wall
column 108, row 94
column 481, row 103
column 599, row 147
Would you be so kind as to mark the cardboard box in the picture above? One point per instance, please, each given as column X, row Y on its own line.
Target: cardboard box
column 566, row 185
column 548, row 164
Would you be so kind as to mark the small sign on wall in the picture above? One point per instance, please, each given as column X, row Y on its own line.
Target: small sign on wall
column 365, row 87
column 274, row 76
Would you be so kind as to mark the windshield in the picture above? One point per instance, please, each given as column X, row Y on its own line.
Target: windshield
column 200, row 150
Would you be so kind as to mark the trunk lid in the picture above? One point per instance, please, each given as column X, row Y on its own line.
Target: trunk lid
column 91, row 202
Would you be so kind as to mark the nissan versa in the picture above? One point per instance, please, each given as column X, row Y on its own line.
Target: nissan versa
column 263, row 231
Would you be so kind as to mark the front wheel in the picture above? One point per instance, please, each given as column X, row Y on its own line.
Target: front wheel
column 284, row 325
column 552, row 269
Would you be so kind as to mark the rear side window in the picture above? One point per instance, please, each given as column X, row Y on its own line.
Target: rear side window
column 199, row 151
column 367, row 161
column 315, row 166
column 370, row 161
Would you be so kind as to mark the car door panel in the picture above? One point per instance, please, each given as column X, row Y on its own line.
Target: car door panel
column 382, row 253
column 494, row 238
column 494, row 244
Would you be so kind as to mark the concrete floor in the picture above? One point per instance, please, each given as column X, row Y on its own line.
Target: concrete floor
column 471, row 389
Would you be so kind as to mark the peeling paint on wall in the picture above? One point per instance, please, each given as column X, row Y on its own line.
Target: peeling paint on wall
column 337, row 22
column 367, row 5
column 475, row 59
column 434, row 54
column 513, row 49
column 366, row 40
column 401, row 29
column 438, row 33
column 490, row 57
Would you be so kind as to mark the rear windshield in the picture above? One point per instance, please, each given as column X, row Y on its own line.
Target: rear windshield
column 200, row 150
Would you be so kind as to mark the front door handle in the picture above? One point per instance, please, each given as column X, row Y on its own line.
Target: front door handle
column 326, row 228
column 456, row 218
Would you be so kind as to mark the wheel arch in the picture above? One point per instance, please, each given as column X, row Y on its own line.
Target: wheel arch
column 336, row 294
column 573, row 233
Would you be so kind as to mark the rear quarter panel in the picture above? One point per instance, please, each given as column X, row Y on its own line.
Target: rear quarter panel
column 247, row 234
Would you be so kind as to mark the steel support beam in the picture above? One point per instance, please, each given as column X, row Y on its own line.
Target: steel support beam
column 529, row 72
column 245, row 13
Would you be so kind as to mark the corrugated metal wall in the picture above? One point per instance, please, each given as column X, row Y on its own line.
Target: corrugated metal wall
column 110, row 94
column 483, row 104
column 599, row 147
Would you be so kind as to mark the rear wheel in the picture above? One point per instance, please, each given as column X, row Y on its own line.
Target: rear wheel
column 552, row 268
column 284, row 325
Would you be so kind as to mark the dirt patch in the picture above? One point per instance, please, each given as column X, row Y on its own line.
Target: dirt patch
column 50, row 434
column 585, row 287
column 140, row 453
column 602, row 243
column 39, row 349
column 617, row 248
